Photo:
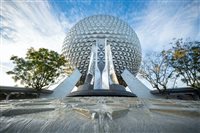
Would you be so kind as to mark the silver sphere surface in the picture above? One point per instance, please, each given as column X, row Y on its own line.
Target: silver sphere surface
column 125, row 45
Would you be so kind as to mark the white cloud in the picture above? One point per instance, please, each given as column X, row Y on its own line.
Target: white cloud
column 32, row 24
column 164, row 21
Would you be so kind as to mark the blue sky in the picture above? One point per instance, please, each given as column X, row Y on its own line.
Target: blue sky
column 42, row 23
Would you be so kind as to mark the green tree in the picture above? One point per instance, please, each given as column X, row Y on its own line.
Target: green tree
column 38, row 69
column 184, row 57
column 156, row 70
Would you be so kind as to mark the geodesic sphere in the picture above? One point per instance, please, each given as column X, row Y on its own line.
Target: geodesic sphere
column 125, row 45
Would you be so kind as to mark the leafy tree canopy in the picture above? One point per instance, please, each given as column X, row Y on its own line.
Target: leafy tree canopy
column 184, row 57
column 38, row 69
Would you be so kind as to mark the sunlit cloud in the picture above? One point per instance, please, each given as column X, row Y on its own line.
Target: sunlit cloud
column 25, row 25
column 165, row 21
